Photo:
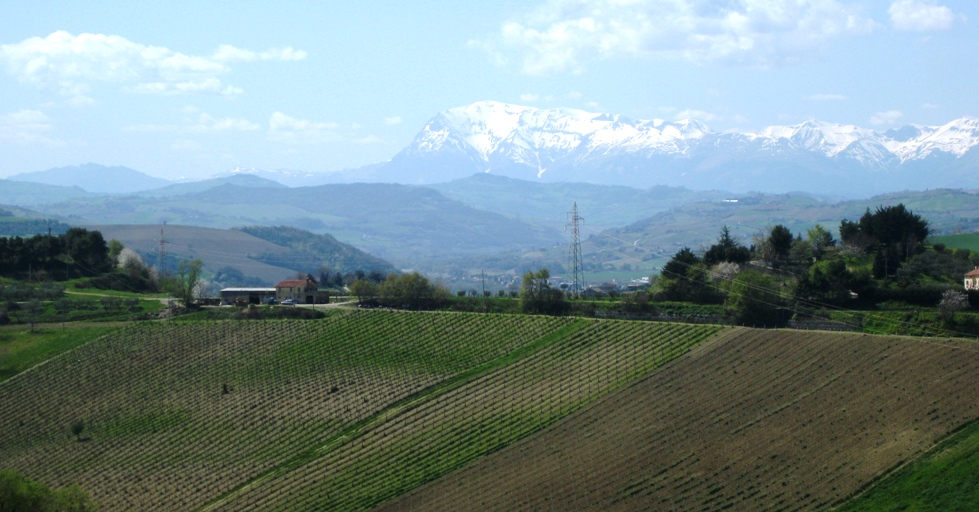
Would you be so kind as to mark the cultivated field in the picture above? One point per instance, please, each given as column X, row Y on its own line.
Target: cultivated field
column 555, row 377
column 443, row 411
column 177, row 415
column 752, row 420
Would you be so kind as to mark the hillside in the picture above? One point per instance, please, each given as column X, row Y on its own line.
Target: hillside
column 428, row 411
column 609, row 206
column 395, row 222
column 94, row 178
column 753, row 420
column 19, row 193
column 270, row 261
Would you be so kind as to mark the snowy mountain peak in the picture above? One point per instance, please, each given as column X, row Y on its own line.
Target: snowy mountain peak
column 571, row 144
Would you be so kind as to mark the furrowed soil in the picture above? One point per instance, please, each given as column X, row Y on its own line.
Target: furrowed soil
column 750, row 420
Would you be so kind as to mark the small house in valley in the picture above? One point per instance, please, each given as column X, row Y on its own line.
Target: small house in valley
column 972, row 280
column 301, row 291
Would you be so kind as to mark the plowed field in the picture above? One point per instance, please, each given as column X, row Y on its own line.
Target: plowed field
column 751, row 420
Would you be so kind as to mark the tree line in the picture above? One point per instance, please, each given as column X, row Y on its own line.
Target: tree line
column 76, row 253
column 881, row 255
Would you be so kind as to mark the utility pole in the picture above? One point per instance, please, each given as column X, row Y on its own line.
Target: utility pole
column 574, row 253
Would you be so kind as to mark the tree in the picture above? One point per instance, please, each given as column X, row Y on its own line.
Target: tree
column 894, row 231
column 115, row 247
column 754, row 300
column 819, row 240
column 185, row 283
column 363, row 290
column 19, row 493
column 780, row 239
column 537, row 296
column 77, row 427
column 679, row 264
column 726, row 249
column 952, row 301
column 33, row 310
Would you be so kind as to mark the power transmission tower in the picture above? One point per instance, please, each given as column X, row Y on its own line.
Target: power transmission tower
column 160, row 252
column 574, row 254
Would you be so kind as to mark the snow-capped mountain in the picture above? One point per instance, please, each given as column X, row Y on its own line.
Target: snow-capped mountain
column 574, row 145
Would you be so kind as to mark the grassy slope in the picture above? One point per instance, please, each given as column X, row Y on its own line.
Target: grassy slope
column 963, row 241
column 945, row 479
column 21, row 349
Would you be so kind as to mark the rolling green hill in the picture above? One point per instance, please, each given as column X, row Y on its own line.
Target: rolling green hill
column 433, row 411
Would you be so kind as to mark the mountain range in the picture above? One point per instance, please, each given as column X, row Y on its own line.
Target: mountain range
column 576, row 146
column 569, row 145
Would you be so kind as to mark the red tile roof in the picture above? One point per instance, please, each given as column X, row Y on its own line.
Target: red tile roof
column 293, row 283
column 973, row 273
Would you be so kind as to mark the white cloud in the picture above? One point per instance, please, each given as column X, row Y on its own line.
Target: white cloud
column 561, row 34
column 827, row 97
column 69, row 64
column 392, row 121
column 929, row 106
column 529, row 97
column 574, row 95
column 228, row 53
column 292, row 130
column 887, row 118
column 26, row 127
column 920, row 16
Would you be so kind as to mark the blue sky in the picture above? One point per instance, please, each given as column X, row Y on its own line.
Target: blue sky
column 191, row 89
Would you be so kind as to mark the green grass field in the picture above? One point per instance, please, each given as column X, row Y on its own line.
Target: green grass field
column 963, row 241
column 21, row 348
column 946, row 479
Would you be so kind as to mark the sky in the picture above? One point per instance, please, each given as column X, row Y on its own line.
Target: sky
column 186, row 90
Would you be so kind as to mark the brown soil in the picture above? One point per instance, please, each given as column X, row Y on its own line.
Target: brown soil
column 753, row 420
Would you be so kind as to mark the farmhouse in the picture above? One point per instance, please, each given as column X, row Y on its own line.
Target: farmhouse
column 230, row 296
column 972, row 280
column 301, row 291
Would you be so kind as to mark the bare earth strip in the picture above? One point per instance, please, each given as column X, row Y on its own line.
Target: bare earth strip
column 753, row 420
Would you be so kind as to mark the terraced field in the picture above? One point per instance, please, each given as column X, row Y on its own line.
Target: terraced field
column 752, row 420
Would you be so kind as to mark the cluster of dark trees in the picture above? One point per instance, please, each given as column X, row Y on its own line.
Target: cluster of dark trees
column 17, row 492
column 76, row 253
column 812, row 268
column 406, row 291
column 537, row 296
column 330, row 279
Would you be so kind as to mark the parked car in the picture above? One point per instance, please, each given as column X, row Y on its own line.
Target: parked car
column 272, row 301
column 288, row 302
